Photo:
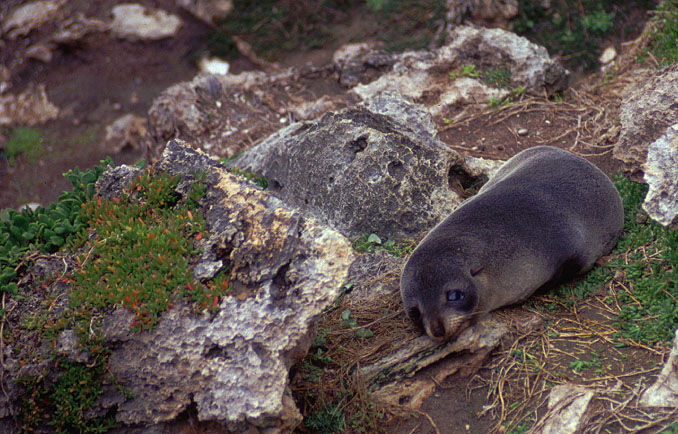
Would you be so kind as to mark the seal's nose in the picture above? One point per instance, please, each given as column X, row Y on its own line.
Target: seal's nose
column 436, row 329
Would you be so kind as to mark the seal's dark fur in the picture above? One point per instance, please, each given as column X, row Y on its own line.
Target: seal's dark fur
column 545, row 215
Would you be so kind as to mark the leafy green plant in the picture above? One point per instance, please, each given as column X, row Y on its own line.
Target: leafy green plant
column 327, row 420
column 141, row 254
column 44, row 229
column 251, row 176
column 665, row 37
column 468, row 70
column 498, row 77
column 572, row 28
column 369, row 243
column 64, row 405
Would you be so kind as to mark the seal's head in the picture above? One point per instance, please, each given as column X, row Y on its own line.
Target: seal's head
column 439, row 292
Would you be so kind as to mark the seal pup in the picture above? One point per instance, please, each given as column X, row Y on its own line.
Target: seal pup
column 545, row 215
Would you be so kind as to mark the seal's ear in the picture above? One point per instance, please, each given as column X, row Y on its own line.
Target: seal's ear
column 476, row 270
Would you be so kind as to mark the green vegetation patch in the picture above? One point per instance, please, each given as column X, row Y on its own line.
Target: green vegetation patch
column 573, row 29
column 664, row 39
column 142, row 251
column 44, row 229
column 369, row 243
column 24, row 141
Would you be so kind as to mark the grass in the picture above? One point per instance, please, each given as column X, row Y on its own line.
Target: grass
column 369, row 243
column 24, row 141
column 664, row 38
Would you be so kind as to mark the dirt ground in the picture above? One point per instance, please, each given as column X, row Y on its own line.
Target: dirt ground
column 101, row 78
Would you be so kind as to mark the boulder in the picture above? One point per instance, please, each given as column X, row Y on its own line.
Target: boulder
column 29, row 16
column 31, row 107
column 661, row 174
column 424, row 76
column 134, row 21
column 230, row 367
column 648, row 109
column 374, row 168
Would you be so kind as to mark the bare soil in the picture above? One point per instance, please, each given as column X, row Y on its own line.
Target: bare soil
column 101, row 78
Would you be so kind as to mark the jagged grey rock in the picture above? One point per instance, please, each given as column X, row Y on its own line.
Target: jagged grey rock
column 649, row 108
column 114, row 179
column 424, row 75
column 234, row 365
column 362, row 171
column 664, row 392
column 661, row 174
column 230, row 367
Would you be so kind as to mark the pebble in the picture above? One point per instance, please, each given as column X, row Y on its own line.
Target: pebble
column 522, row 132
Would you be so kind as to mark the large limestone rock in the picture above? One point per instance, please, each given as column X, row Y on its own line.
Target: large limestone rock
column 423, row 75
column 374, row 168
column 231, row 367
column 661, row 174
column 649, row 108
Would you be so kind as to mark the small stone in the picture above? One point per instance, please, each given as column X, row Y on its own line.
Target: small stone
column 522, row 132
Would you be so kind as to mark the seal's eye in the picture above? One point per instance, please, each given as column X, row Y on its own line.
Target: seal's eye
column 455, row 295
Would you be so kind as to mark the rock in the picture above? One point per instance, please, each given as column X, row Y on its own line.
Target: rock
column 133, row 21
column 362, row 171
column 308, row 110
column 608, row 55
column 489, row 13
column 67, row 346
column 113, row 180
column 568, row 411
column 207, row 10
column 423, row 75
column 221, row 114
column 232, row 367
column 31, row 107
column 128, row 131
column 213, row 65
column 470, row 348
column 661, row 174
column 649, row 108
column 29, row 16
column 664, row 392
